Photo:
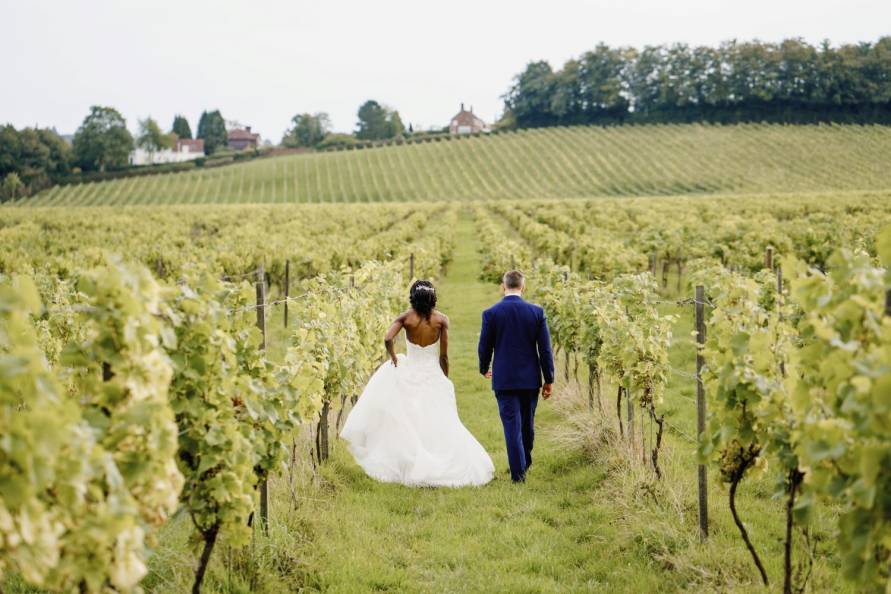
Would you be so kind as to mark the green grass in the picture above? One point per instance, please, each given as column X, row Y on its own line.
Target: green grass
column 542, row 163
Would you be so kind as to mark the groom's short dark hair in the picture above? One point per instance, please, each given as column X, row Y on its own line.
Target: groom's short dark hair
column 513, row 279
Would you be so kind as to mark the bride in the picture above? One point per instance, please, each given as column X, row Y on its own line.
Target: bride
column 405, row 426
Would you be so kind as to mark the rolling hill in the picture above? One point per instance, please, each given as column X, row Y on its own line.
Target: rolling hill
column 540, row 163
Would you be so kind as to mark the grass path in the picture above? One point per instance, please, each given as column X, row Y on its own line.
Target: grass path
column 544, row 536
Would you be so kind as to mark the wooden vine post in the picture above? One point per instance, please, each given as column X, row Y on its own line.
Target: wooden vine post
column 566, row 353
column 888, row 302
column 261, row 324
column 630, row 412
column 768, row 258
column 411, row 266
column 700, row 411
column 619, row 410
column 322, row 432
column 287, row 288
column 779, row 272
column 680, row 265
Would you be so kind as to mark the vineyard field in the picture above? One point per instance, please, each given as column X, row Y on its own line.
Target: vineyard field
column 225, row 346
column 569, row 162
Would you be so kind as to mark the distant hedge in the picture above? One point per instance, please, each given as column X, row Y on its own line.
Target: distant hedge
column 217, row 159
column 341, row 142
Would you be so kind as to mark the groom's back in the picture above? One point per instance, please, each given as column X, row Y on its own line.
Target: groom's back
column 517, row 331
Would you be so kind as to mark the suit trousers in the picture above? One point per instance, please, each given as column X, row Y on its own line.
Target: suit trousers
column 517, row 411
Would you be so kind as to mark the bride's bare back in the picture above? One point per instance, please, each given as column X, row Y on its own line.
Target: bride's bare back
column 423, row 332
column 420, row 330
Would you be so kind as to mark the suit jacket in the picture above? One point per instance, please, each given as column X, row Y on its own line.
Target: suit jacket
column 517, row 332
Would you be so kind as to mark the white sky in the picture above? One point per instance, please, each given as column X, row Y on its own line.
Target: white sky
column 262, row 61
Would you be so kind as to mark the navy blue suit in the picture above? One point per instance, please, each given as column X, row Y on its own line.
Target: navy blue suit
column 516, row 332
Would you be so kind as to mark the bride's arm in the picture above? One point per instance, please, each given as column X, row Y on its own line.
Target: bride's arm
column 444, row 346
column 390, row 338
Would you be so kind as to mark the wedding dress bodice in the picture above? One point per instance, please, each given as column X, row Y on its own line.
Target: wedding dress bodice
column 418, row 356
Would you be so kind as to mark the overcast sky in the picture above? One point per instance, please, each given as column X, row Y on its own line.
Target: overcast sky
column 262, row 61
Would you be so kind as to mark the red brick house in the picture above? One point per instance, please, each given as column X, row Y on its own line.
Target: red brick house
column 188, row 145
column 240, row 139
column 465, row 122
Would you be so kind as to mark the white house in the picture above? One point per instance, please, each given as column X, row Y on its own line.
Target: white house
column 185, row 150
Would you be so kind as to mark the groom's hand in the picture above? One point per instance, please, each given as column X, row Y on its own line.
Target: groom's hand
column 488, row 374
column 546, row 391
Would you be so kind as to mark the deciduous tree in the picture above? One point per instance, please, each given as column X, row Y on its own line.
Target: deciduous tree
column 12, row 188
column 397, row 128
column 308, row 130
column 151, row 139
column 373, row 121
column 37, row 157
column 103, row 141
column 791, row 82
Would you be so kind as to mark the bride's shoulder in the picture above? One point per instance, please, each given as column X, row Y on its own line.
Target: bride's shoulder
column 441, row 317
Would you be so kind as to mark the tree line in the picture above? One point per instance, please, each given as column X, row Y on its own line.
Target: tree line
column 789, row 82
column 33, row 159
column 375, row 122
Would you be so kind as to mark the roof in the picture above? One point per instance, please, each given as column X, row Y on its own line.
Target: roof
column 467, row 118
column 241, row 134
column 195, row 143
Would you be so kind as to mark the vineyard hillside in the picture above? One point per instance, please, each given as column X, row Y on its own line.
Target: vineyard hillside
column 567, row 162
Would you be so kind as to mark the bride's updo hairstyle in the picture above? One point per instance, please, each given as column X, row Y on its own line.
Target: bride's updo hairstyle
column 423, row 298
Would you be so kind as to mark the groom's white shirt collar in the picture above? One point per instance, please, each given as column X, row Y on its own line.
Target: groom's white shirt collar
column 512, row 294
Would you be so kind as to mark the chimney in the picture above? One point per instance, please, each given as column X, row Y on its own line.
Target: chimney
column 248, row 128
column 471, row 109
column 462, row 106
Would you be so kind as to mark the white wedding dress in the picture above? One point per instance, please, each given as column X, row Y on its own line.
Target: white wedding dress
column 405, row 427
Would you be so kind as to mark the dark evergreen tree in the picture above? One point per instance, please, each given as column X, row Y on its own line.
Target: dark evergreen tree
column 212, row 129
column 181, row 127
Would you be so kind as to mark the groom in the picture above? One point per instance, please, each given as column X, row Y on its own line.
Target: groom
column 517, row 333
